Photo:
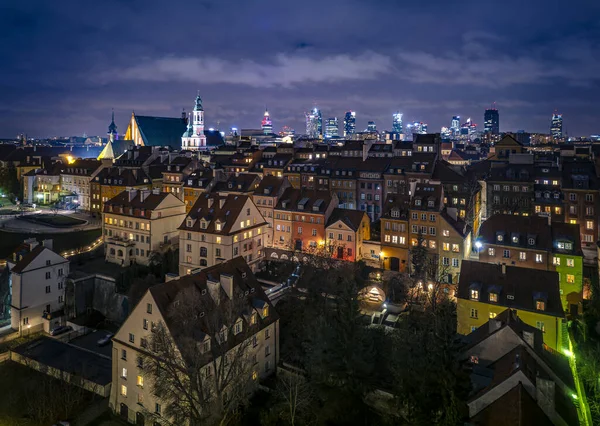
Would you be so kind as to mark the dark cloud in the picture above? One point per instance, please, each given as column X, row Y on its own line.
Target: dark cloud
column 66, row 64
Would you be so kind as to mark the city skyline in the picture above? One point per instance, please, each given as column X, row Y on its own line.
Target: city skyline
column 528, row 70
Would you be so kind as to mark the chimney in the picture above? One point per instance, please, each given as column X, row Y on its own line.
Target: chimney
column 48, row 244
column 222, row 202
column 144, row 194
column 227, row 284
column 156, row 191
column 131, row 193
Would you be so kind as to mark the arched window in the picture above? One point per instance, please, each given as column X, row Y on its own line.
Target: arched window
column 120, row 253
column 112, row 251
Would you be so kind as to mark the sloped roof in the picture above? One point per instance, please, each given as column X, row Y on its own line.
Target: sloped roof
column 292, row 196
column 521, row 227
column 161, row 131
column 243, row 182
column 399, row 202
column 27, row 259
column 524, row 285
column 515, row 408
column 270, row 184
column 352, row 218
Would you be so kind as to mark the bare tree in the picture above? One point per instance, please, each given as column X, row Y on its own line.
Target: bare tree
column 201, row 368
column 296, row 397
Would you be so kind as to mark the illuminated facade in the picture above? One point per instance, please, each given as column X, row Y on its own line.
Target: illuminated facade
column 556, row 127
column 350, row 123
column 314, row 123
column 491, row 121
column 193, row 138
column 371, row 127
column 267, row 125
column 455, row 125
column 397, row 123
column 331, row 128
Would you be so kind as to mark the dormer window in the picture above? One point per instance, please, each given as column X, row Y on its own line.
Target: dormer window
column 237, row 329
column 265, row 311
column 431, row 204
column 540, row 305
column 203, row 224
column 206, row 346
column 493, row 297
column 189, row 223
column 515, row 239
column 417, row 202
column 395, row 213
column 500, row 238
column 218, row 226
column 531, row 241
column 474, row 294
column 222, row 336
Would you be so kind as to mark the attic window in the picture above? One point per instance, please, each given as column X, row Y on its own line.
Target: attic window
column 243, row 275
column 515, row 239
column 430, row 204
column 189, row 223
column 395, row 213
column 252, row 290
column 202, row 313
column 474, row 294
column 493, row 297
column 540, row 305
column 531, row 241
column 203, row 292
column 417, row 202
column 218, row 226
column 265, row 311
column 500, row 237
column 203, row 224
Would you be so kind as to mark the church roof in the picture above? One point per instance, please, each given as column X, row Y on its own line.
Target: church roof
column 107, row 153
column 161, row 131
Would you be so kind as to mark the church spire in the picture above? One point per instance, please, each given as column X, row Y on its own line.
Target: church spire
column 112, row 128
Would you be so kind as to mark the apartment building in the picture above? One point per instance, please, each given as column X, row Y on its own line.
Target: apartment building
column 301, row 217
column 346, row 230
column 485, row 290
column 534, row 242
column 455, row 244
column 136, row 223
column 110, row 182
column 548, row 197
column 370, row 186
column 219, row 228
column 238, row 183
column 394, row 233
column 223, row 288
column 175, row 174
column 76, row 177
column 511, row 190
column 265, row 197
column 581, row 198
column 404, row 172
column 37, row 283
column 425, row 207
column 197, row 183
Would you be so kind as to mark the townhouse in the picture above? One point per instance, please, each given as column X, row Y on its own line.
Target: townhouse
column 37, row 284
column 485, row 290
column 394, row 233
column 301, row 217
column 534, row 242
column 76, row 177
column 173, row 177
column 455, row 244
column 136, row 223
column 265, row 197
column 232, row 312
column 197, row 183
column 346, row 230
column 110, row 182
column 219, row 228
column 238, row 183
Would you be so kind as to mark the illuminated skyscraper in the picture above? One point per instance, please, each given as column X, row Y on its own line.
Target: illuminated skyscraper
column 350, row 123
column 267, row 125
column 397, row 123
column 417, row 127
column 557, row 125
column 331, row 128
column 491, row 121
column 455, row 125
column 314, row 123
column 371, row 127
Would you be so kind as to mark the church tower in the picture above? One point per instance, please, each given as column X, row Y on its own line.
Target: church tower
column 112, row 129
column 193, row 138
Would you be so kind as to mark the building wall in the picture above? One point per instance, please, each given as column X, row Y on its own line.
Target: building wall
column 552, row 324
column 79, row 185
column 570, row 278
column 395, row 243
column 514, row 257
column 588, row 223
column 29, row 295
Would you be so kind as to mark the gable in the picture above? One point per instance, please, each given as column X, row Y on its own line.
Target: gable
column 242, row 216
column 40, row 260
column 135, row 321
column 339, row 225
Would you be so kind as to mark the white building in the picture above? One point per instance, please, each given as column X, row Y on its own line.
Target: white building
column 75, row 179
column 136, row 223
column 193, row 139
column 37, row 283
column 219, row 228
column 254, row 325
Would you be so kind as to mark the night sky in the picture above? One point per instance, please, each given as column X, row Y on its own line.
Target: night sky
column 64, row 64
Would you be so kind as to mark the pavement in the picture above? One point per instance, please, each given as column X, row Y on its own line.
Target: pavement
column 14, row 224
column 89, row 342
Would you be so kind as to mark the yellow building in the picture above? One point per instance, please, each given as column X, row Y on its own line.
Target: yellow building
column 485, row 290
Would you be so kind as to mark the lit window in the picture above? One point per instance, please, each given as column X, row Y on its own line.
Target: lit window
column 218, row 240
column 124, row 373
column 493, row 315
column 589, row 224
column 446, row 233
column 455, row 248
column 540, row 305
column 540, row 326
column 571, row 279
column 500, row 238
column 446, row 246
column 266, row 311
column 475, row 294
column 515, row 239
column 570, row 263
column 491, row 251
column 387, row 238
column 254, row 375
column 539, row 258
column 123, row 390
column 493, row 297
column 556, row 261
column 140, row 381
column 522, row 256
column 395, row 239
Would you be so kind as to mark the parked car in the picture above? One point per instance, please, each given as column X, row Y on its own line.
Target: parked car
column 105, row 340
column 60, row 330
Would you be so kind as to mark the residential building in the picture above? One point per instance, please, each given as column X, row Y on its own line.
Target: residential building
column 548, row 197
column 346, row 230
column 301, row 217
column 580, row 189
column 175, row 174
column 76, row 177
column 511, row 190
column 239, row 183
column 110, row 182
column 219, row 228
column 394, row 233
column 454, row 244
column 485, row 290
column 136, row 223
column 265, row 197
column 425, row 207
column 504, row 148
column 534, row 242
column 370, row 186
column 197, row 183
column 37, row 285
column 216, row 288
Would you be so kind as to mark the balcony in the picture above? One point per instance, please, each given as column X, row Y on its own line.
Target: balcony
column 119, row 241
